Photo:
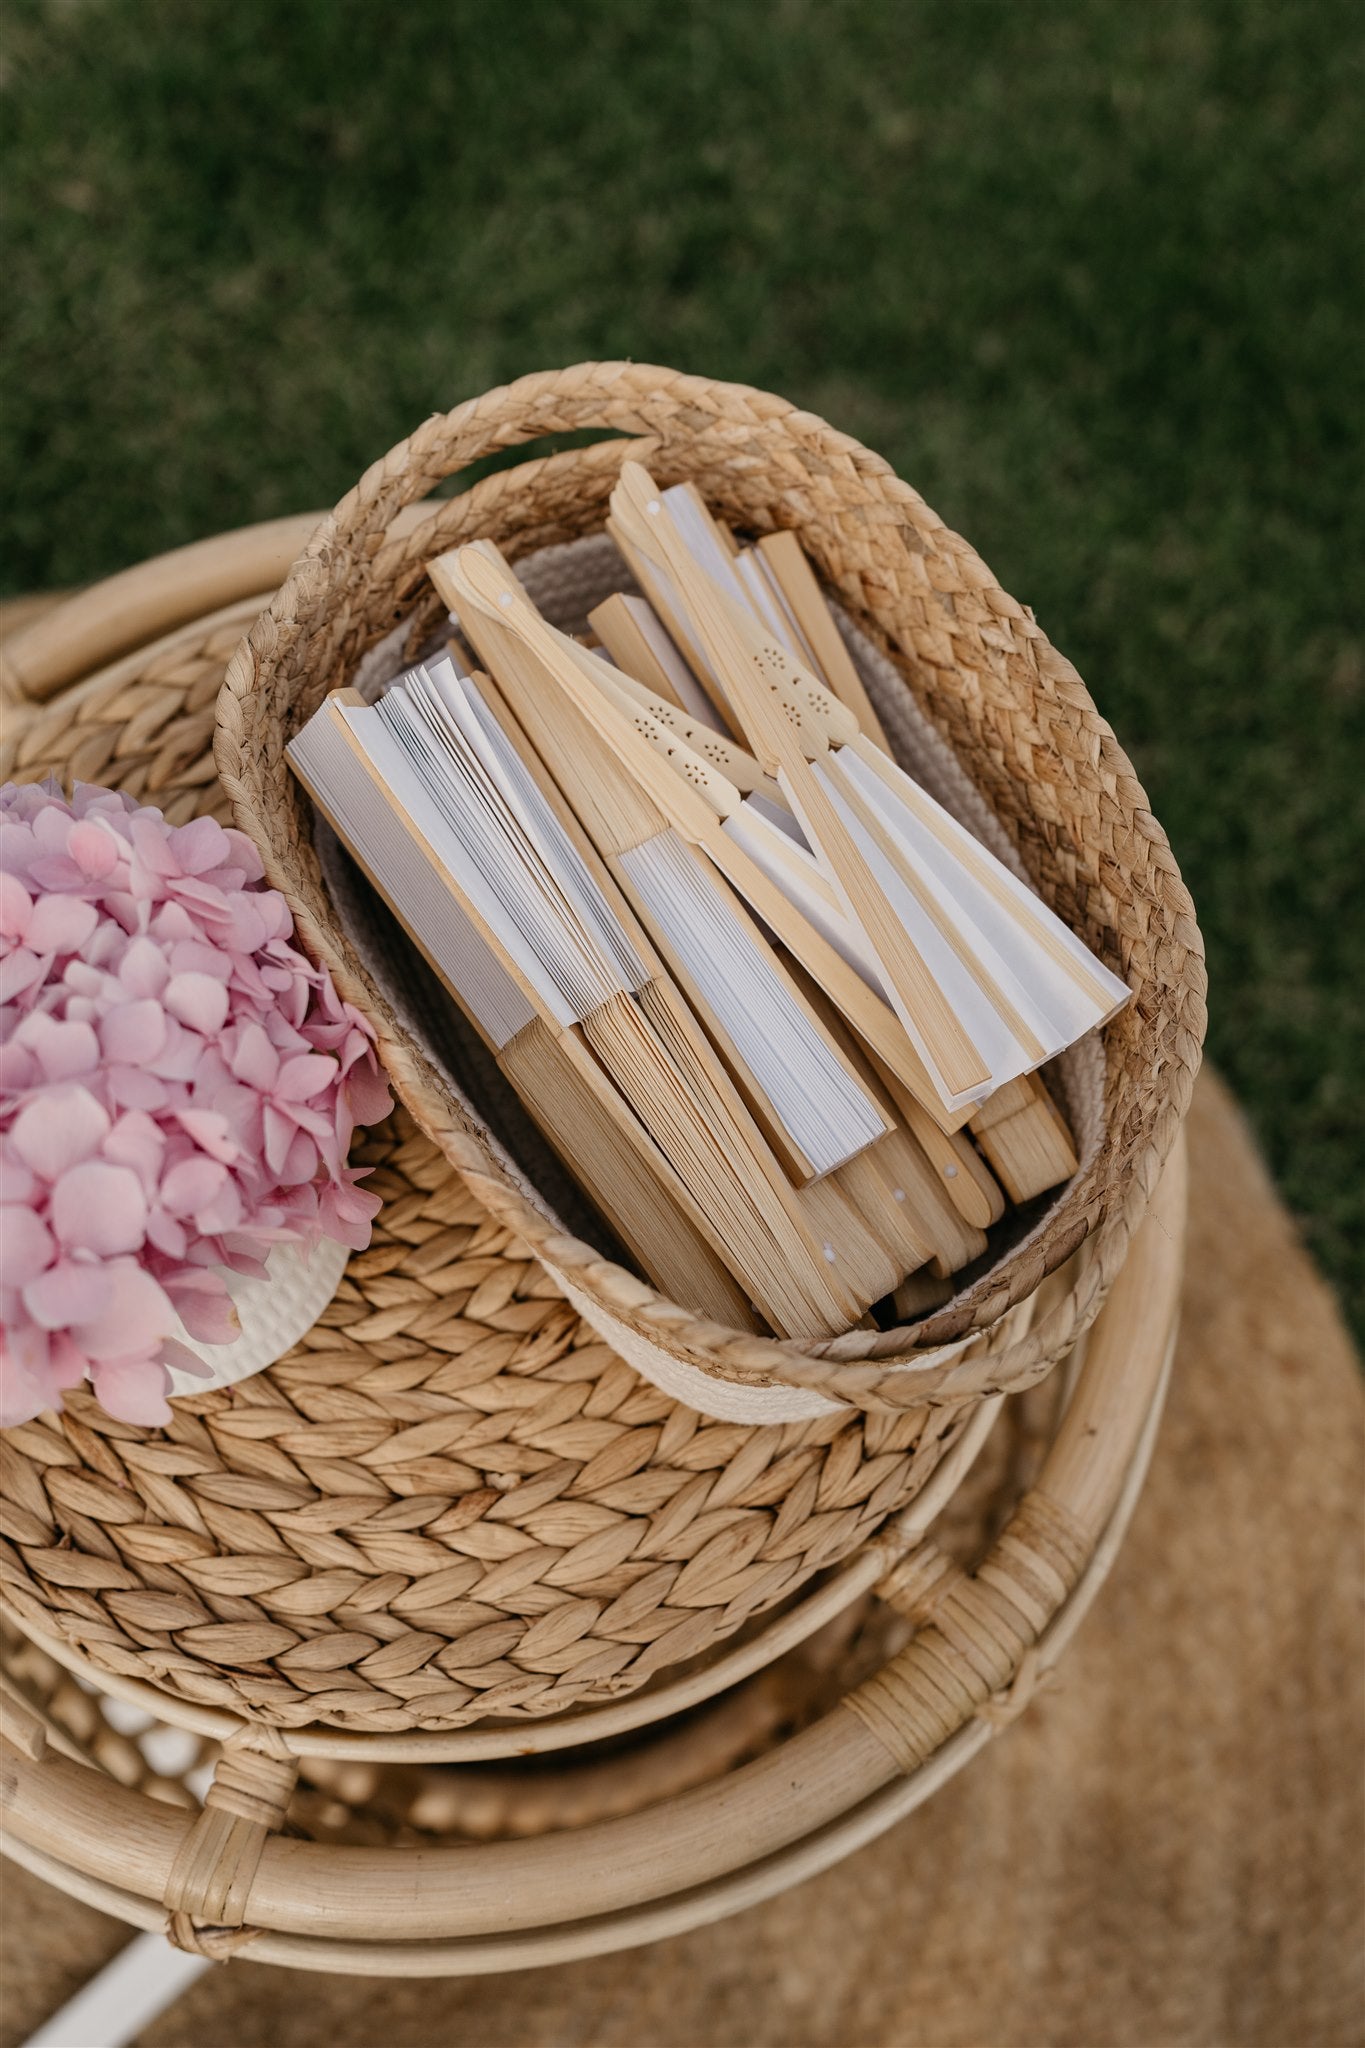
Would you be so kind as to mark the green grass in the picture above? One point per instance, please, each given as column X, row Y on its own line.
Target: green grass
column 1088, row 274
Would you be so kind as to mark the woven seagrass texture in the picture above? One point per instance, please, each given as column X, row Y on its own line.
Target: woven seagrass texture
column 1186, row 1801
column 142, row 724
column 393, row 1805
column 1013, row 709
column 451, row 1500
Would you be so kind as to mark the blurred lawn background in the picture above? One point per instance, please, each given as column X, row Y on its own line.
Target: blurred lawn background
column 1088, row 274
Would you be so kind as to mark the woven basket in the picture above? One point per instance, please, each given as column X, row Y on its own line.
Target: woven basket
column 450, row 1503
column 690, row 1827
column 968, row 656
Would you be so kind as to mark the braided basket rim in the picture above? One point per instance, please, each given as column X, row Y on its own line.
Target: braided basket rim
column 1013, row 708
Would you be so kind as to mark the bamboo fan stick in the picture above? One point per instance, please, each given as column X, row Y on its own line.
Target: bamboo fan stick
column 959, row 1168
column 1029, row 1146
column 678, row 778
column 754, row 671
column 692, row 493
column 785, row 560
column 949, row 1187
column 770, row 607
column 621, row 629
column 643, row 1198
column 733, row 761
column 710, row 942
column 568, row 1096
column 652, row 1056
column 665, row 600
column 1037, row 1153
column 1006, row 1005
column 892, row 1187
column 619, row 820
column 1068, row 954
column 631, row 631
column 1025, row 982
column 651, row 1049
column 1026, row 1139
column 700, row 803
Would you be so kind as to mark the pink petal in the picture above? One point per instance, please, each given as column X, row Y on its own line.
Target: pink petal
column 183, row 1055
column 200, row 845
column 143, row 970
column 211, row 1132
column 55, row 871
column 247, row 929
column 63, row 1051
column 196, row 956
column 137, row 1317
column 16, row 1182
column 69, row 1292
column 173, row 922
column 367, row 1094
column 198, row 1001
column 134, row 1031
column 302, row 1078
column 28, row 1384
column 181, row 1359
column 255, row 1060
column 204, row 900
column 19, row 971
column 131, row 1088
column 60, row 924
column 192, row 1185
column 89, row 982
column 166, row 1235
column 223, row 1211
column 58, row 1128
column 26, row 1246
column 92, row 799
column 243, row 854
column 152, row 846
column 16, row 907
column 100, row 1208
column 67, row 1363
column 346, row 1214
column 137, row 1142
column 94, row 848
column 279, row 1132
column 133, row 1390
column 51, row 823
column 18, row 1069
column 206, row 1308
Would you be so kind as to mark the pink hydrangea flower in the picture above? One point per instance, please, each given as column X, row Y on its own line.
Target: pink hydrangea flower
column 178, row 1091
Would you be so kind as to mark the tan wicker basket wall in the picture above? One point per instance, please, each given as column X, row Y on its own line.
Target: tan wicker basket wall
column 228, row 1878
column 1012, row 707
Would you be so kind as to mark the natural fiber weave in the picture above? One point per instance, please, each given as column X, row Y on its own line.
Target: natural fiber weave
column 451, row 1501
column 396, row 1805
column 1012, row 707
column 1163, row 1853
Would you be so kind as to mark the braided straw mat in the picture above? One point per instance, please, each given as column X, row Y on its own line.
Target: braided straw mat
column 451, row 1501
column 1165, row 1852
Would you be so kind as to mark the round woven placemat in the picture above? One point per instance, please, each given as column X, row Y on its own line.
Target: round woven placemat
column 451, row 1501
